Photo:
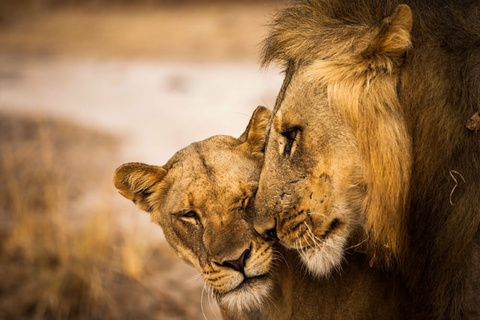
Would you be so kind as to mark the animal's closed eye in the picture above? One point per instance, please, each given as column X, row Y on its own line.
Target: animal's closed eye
column 290, row 137
column 189, row 216
column 245, row 203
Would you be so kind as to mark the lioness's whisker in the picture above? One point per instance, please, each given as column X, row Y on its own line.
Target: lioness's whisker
column 198, row 276
column 279, row 255
column 271, row 301
column 201, row 301
column 210, row 298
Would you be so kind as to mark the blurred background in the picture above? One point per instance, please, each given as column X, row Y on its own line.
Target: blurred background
column 86, row 85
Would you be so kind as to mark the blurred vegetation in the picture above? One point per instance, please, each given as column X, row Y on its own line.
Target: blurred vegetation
column 12, row 10
column 62, row 259
column 64, row 253
column 198, row 30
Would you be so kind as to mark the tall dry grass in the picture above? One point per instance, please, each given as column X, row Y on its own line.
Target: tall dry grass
column 64, row 259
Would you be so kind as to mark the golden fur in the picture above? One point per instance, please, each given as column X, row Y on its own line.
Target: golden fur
column 212, row 175
column 202, row 209
column 367, row 131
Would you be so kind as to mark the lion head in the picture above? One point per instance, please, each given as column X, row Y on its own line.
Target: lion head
column 336, row 172
column 203, row 204
column 367, row 143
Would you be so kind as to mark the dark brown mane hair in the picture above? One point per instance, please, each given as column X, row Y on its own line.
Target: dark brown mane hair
column 434, row 90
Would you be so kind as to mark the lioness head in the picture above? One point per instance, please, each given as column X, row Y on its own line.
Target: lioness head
column 202, row 199
column 338, row 157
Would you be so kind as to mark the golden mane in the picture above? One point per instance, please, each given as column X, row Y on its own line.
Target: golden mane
column 360, row 86
column 408, row 93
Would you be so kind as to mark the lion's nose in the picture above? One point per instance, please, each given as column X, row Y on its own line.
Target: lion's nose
column 267, row 229
column 270, row 234
column 239, row 264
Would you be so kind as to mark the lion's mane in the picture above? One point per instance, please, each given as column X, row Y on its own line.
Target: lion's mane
column 409, row 108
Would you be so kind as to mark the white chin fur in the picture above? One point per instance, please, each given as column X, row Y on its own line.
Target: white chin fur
column 247, row 298
column 320, row 261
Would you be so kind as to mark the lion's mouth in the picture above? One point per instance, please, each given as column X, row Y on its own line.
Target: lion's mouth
column 307, row 239
column 332, row 228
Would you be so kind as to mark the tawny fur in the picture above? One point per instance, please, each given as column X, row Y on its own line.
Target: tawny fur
column 205, row 177
column 393, row 85
column 201, row 204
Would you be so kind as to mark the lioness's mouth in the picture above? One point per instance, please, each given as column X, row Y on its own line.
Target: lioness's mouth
column 250, row 283
column 249, row 295
column 254, row 279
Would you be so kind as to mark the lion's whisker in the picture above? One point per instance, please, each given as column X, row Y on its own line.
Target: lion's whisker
column 314, row 239
column 311, row 232
column 358, row 244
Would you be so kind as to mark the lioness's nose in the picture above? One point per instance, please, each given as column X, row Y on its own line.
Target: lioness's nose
column 238, row 264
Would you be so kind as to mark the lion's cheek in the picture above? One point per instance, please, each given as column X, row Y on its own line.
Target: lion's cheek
column 322, row 260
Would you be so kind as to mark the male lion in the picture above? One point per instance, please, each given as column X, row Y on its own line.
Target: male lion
column 368, row 141
column 201, row 200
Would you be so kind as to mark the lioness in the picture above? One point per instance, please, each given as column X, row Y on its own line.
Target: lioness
column 202, row 199
column 369, row 130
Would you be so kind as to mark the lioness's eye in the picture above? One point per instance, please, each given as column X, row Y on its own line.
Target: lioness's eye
column 190, row 214
column 190, row 217
column 290, row 136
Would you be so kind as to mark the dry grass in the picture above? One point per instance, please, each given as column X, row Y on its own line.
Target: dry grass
column 64, row 252
column 60, row 261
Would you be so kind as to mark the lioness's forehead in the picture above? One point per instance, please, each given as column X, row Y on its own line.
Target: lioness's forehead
column 214, row 164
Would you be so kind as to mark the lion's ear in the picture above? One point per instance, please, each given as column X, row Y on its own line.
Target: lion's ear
column 256, row 131
column 393, row 35
column 136, row 182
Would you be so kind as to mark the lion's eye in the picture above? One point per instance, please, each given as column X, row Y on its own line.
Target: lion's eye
column 245, row 203
column 290, row 137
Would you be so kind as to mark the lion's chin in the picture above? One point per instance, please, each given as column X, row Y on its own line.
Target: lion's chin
column 321, row 260
column 248, row 296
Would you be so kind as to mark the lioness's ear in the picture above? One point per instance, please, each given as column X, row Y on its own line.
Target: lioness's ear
column 256, row 131
column 135, row 181
column 393, row 36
